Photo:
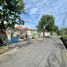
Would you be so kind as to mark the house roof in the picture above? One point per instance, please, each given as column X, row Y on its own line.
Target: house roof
column 22, row 27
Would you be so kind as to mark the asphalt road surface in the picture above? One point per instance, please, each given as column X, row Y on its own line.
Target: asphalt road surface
column 39, row 53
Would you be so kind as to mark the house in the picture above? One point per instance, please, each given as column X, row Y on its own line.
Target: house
column 21, row 30
column 47, row 34
column 35, row 34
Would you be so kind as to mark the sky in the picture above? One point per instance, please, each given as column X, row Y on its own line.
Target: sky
column 34, row 9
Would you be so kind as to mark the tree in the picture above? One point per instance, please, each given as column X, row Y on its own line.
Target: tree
column 63, row 31
column 46, row 23
column 10, row 12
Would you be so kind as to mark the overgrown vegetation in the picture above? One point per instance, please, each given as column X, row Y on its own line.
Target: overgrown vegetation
column 63, row 32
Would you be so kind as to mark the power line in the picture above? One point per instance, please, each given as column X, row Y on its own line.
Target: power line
column 64, row 20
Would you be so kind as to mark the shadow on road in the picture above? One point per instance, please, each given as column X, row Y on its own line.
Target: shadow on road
column 53, row 61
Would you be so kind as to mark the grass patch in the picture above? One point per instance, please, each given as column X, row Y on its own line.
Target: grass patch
column 3, row 49
column 64, row 36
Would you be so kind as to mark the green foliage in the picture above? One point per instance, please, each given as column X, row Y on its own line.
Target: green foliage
column 46, row 23
column 1, row 1
column 15, row 5
column 10, row 12
column 63, row 32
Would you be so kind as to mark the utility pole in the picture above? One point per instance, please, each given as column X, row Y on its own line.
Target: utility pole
column 64, row 20
column 64, row 23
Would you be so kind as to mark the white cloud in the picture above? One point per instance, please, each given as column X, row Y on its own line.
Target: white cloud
column 42, row 2
column 36, row 8
column 33, row 0
column 33, row 10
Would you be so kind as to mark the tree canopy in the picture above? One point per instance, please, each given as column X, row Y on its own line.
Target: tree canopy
column 47, row 23
column 10, row 11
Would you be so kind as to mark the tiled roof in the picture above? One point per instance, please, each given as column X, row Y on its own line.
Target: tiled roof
column 23, row 27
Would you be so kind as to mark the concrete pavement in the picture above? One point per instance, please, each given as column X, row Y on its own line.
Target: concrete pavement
column 11, row 46
column 44, row 53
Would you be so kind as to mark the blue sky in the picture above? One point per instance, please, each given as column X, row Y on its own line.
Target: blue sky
column 36, row 8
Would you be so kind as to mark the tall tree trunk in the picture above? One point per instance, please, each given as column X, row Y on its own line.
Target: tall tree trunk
column 43, row 34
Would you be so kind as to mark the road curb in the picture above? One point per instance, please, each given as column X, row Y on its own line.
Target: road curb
column 12, row 51
column 64, row 53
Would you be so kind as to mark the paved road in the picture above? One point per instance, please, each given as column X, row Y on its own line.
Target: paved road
column 41, row 53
